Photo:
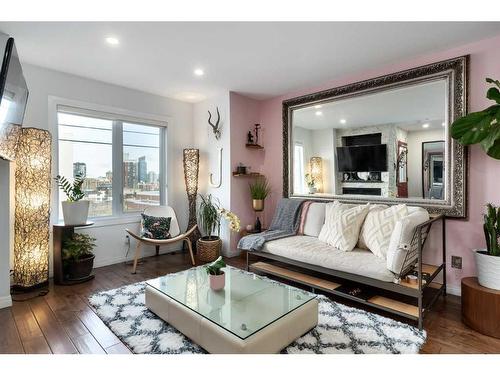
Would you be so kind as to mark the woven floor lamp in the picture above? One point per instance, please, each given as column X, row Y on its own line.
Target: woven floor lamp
column 191, row 162
column 32, row 209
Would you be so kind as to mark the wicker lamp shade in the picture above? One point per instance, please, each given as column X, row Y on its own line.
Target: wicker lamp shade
column 191, row 161
column 316, row 164
column 32, row 208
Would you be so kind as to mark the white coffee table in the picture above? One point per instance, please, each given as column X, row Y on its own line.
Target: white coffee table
column 250, row 315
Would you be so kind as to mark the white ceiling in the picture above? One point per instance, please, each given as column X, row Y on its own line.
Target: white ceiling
column 260, row 60
column 409, row 108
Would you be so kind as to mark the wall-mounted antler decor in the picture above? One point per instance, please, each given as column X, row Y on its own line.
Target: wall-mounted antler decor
column 216, row 128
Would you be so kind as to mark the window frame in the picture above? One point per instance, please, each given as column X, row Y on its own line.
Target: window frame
column 118, row 116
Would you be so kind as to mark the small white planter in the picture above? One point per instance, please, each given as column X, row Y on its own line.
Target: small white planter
column 488, row 269
column 75, row 213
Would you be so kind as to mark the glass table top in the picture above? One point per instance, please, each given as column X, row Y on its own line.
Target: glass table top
column 247, row 303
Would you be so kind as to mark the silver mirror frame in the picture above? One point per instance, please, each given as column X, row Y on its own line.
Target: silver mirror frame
column 456, row 72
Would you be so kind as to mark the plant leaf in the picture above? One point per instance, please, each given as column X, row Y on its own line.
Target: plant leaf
column 477, row 129
column 493, row 94
column 464, row 124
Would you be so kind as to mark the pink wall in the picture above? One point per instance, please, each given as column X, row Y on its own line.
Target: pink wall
column 484, row 172
column 245, row 112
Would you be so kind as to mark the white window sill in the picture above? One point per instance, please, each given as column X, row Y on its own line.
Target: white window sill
column 113, row 220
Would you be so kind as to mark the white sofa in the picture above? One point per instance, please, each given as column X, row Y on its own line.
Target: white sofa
column 307, row 248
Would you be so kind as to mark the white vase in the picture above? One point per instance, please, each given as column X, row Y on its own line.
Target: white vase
column 488, row 269
column 75, row 213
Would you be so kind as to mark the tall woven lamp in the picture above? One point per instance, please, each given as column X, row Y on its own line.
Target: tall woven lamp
column 32, row 209
column 191, row 162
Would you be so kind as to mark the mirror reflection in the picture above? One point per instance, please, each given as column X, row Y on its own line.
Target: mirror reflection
column 390, row 143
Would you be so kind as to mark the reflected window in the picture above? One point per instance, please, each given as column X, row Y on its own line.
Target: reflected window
column 298, row 169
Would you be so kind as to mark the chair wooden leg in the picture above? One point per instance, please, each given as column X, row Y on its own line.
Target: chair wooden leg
column 190, row 248
column 136, row 258
column 157, row 248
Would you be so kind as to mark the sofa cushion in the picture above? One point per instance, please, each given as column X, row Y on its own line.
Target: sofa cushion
column 315, row 219
column 311, row 250
column 342, row 225
column 378, row 227
column 402, row 236
column 361, row 240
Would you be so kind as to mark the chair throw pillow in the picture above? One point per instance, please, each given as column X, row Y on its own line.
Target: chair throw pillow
column 378, row 227
column 342, row 225
column 157, row 228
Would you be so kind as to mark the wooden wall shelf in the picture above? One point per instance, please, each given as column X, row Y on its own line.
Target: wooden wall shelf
column 235, row 174
column 254, row 146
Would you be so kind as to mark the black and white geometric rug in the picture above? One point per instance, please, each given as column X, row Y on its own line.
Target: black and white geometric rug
column 341, row 329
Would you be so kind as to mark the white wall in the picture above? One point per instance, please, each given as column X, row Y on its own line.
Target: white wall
column 6, row 229
column 415, row 140
column 204, row 139
column 42, row 83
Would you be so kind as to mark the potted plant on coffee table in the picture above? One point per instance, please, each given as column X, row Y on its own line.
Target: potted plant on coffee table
column 216, row 276
column 259, row 190
column 488, row 260
column 210, row 215
column 78, row 256
column 75, row 209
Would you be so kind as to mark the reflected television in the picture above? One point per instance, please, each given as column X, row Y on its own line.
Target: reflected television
column 371, row 158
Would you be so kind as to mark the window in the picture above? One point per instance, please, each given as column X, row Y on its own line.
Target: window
column 298, row 169
column 123, row 160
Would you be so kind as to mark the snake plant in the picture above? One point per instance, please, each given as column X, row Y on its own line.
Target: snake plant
column 492, row 229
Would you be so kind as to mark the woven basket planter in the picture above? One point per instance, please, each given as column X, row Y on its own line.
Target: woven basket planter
column 208, row 250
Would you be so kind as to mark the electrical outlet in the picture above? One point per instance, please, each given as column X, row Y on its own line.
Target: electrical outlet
column 456, row 262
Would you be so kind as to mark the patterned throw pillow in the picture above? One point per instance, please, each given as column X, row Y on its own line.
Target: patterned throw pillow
column 342, row 225
column 157, row 228
column 378, row 227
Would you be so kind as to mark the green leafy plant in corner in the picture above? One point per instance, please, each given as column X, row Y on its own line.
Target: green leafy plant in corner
column 260, row 189
column 209, row 216
column 72, row 190
column 215, row 268
column 492, row 229
column 78, row 246
column 482, row 127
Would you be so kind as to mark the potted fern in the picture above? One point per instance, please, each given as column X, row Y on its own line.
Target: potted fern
column 78, row 256
column 75, row 209
column 259, row 190
column 210, row 215
column 216, row 276
column 488, row 260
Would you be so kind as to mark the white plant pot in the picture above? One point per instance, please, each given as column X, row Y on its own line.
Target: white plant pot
column 75, row 213
column 488, row 269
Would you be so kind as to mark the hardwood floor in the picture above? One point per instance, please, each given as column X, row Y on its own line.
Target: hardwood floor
column 62, row 321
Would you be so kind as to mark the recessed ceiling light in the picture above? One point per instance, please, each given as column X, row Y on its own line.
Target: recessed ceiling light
column 443, row 124
column 319, row 113
column 426, row 125
column 343, row 120
column 199, row 72
column 317, row 106
column 112, row 40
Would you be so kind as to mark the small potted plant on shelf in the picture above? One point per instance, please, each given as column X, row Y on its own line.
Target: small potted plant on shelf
column 259, row 190
column 311, row 183
column 210, row 215
column 78, row 256
column 75, row 209
column 216, row 276
column 488, row 260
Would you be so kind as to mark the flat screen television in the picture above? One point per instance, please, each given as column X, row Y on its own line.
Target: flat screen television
column 372, row 158
column 13, row 97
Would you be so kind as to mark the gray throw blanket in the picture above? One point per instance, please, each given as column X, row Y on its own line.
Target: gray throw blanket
column 285, row 223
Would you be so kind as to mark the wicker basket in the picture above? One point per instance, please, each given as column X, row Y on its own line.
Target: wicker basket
column 208, row 251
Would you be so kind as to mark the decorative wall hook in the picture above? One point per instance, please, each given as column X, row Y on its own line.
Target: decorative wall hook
column 219, row 183
column 216, row 127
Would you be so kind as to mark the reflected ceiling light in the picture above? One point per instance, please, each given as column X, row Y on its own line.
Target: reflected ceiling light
column 426, row 125
column 343, row 120
column 198, row 72
column 318, row 106
column 112, row 40
column 443, row 124
column 319, row 113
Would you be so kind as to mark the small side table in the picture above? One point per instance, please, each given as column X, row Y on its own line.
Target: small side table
column 480, row 307
column 61, row 232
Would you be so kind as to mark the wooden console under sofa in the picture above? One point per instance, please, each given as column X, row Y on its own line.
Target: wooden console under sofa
column 409, row 300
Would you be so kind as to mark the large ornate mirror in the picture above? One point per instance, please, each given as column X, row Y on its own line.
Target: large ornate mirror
column 384, row 140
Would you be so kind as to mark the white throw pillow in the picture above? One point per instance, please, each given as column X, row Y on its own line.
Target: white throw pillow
column 342, row 225
column 378, row 227
column 373, row 207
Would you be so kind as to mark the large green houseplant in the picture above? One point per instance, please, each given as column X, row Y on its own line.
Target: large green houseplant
column 75, row 208
column 488, row 260
column 210, row 215
column 482, row 127
column 78, row 256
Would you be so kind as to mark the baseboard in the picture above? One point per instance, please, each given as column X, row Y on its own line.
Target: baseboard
column 455, row 290
column 5, row 301
column 121, row 259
